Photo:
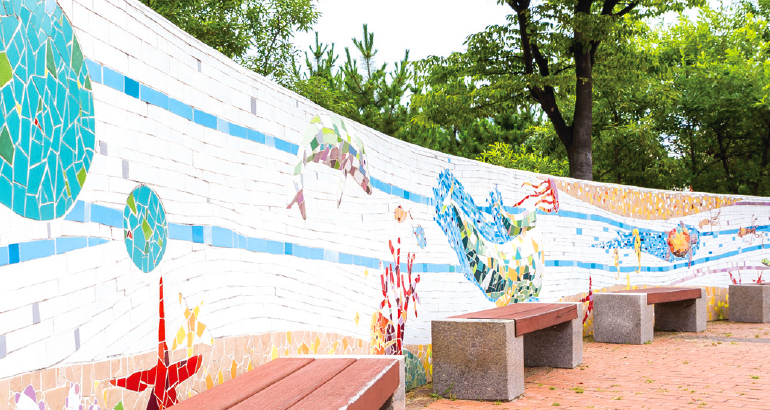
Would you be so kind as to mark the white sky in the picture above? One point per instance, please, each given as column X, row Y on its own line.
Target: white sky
column 425, row 27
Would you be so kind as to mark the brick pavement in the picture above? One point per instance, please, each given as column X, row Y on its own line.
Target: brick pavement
column 725, row 367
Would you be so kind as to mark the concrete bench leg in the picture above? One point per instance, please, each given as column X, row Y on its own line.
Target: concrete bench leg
column 622, row 318
column 556, row 346
column 750, row 303
column 477, row 359
column 683, row 316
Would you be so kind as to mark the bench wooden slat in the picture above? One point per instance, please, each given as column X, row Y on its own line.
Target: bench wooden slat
column 229, row 394
column 546, row 319
column 354, row 387
column 666, row 294
column 511, row 311
column 293, row 388
column 529, row 317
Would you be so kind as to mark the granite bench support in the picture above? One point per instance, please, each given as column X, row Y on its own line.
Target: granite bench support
column 310, row 382
column 627, row 317
column 750, row 303
column 481, row 356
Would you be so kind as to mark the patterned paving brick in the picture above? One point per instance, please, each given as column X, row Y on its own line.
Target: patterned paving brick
column 725, row 367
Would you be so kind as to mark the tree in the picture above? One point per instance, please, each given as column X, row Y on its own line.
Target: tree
column 255, row 33
column 718, row 119
column 378, row 97
column 545, row 55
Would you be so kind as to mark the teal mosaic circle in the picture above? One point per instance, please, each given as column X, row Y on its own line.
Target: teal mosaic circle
column 46, row 110
column 145, row 228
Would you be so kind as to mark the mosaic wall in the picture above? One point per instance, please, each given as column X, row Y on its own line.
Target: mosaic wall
column 149, row 249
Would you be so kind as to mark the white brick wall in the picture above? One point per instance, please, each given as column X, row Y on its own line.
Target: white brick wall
column 206, row 177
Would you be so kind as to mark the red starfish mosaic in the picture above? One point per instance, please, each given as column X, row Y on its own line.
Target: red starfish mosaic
column 164, row 377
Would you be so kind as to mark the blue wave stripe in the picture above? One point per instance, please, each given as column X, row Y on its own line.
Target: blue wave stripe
column 111, row 78
column 26, row 251
column 226, row 238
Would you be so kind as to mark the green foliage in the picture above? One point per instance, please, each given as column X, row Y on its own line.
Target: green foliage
column 715, row 108
column 376, row 95
column 509, row 157
column 255, row 33
column 547, row 56
column 368, row 93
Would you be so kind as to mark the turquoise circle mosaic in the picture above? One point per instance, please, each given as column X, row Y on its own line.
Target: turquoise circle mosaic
column 46, row 110
column 145, row 228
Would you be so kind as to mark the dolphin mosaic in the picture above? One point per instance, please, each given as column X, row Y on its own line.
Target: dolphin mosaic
column 328, row 141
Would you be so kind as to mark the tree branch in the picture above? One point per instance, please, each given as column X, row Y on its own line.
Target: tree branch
column 542, row 63
column 626, row 9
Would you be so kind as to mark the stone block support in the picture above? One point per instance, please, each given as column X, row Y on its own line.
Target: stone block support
column 682, row 316
column 477, row 359
column 750, row 303
column 622, row 318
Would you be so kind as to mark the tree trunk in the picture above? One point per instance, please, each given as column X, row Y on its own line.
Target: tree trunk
column 579, row 151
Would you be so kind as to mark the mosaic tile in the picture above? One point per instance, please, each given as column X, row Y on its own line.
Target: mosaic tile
column 193, row 331
column 414, row 372
column 398, row 289
column 164, row 378
column 145, row 228
column 643, row 203
column 501, row 257
column 328, row 141
column 681, row 242
column 47, row 122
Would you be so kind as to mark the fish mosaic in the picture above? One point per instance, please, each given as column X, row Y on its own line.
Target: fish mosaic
column 679, row 243
column 501, row 253
column 400, row 214
column 328, row 141
column 419, row 234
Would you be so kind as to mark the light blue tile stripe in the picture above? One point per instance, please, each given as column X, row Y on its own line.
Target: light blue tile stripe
column 87, row 212
column 47, row 247
column 116, row 80
column 111, row 78
column 227, row 238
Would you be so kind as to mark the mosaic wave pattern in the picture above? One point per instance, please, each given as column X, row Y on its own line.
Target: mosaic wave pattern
column 503, row 259
column 47, row 124
column 146, row 232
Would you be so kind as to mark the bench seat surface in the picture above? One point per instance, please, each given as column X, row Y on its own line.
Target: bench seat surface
column 666, row 294
column 304, row 383
column 529, row 317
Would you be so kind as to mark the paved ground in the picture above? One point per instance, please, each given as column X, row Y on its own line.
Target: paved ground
column 726, row 367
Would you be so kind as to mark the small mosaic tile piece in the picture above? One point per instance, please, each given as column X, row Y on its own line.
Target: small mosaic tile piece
column 46, row 111
column 145, row 228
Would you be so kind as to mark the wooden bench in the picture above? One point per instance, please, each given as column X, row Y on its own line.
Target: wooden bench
column 481, row 355
column 627, row 316
column 330, row 382
column 750, row 302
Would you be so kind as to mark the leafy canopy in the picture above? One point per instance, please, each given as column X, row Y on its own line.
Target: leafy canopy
column 255, row 33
